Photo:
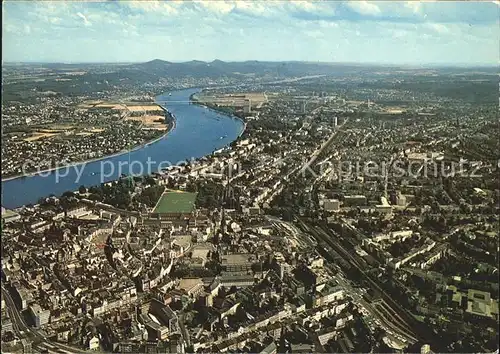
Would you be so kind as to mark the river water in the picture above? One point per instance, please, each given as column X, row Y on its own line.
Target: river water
column 198, row 132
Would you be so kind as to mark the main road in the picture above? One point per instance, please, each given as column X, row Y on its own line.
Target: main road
column 323, row 146
column 25, row 331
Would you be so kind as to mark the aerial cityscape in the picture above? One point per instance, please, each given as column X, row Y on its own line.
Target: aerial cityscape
column 250, row 177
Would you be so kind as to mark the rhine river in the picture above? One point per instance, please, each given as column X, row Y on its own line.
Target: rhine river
column 197, row 132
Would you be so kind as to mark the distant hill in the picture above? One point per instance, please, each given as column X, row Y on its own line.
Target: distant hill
column 99, row 76
column 218, row 68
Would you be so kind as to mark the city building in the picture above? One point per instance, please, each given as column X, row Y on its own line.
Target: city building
column 40, row 316
column 331, row 205
column 236, row 262
column 355, row 200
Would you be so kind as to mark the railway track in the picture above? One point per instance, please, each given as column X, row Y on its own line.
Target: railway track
column 390, row 311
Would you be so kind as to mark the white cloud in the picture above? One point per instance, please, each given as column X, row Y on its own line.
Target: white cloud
column 398, row 33
column 324, row 8
column 254, row 8
column 49, row 8
column 304, row 5
column 218, row 7
column 364, row 7
column 10, row 28
column 159, row 7
column 54, row 20
column 85, row 21
column 27, row 29
column 414, row 6
column 130, row 31
column 315, row 34
column 232, row 30
column 327, row 24
column 438, row 28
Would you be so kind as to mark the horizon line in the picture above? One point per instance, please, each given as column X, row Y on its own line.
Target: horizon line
column 360, row 63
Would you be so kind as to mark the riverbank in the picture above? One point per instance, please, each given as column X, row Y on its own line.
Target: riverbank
column 170, row 127
column 195, row 101
column 170, row 118
column 197, row 132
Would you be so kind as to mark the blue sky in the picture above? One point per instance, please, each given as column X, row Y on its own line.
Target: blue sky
column 331, row 31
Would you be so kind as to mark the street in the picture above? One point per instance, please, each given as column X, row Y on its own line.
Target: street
column 24, row 331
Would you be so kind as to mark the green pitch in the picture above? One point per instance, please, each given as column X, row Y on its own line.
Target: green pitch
column 175, row 202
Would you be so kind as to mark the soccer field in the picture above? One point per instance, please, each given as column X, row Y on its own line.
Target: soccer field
column 175, row 202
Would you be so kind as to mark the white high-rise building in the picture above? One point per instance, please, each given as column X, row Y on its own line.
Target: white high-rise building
column 401, row 199
column 40, row 315
column 248, row 108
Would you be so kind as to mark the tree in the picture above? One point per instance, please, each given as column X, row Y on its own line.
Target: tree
column 150, row 196
column 95, row 197
column 95, row 189
column 149, row 180
column 234, row 143
column 42, row 201
column 68, row 194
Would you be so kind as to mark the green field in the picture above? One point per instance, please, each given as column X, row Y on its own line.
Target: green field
column 175, row 202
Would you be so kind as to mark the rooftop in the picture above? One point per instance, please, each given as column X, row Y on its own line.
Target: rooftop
column 236, row 259
column 189, row 284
